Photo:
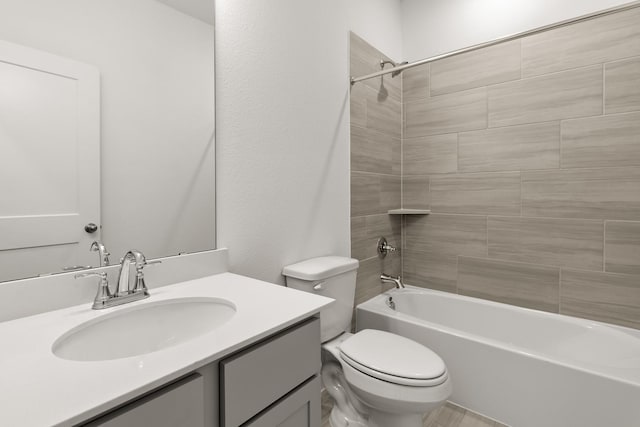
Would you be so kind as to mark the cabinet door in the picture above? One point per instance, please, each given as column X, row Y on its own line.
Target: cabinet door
column 257, row 377
column 300, row 408
column 179, row 404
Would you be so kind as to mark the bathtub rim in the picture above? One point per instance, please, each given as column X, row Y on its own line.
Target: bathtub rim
column 377, row 305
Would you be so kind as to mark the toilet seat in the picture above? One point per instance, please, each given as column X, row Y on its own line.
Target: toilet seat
column 392, row 378
column 393, row 358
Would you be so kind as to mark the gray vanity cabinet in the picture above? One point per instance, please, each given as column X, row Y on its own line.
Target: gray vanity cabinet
column 274, row 383
column 179, row 404
column 299, row 408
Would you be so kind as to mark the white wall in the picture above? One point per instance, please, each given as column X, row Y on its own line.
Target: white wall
column 379, row 22
column 282, row 133
column 432, row 27
column 157, row 112
column 282, row 119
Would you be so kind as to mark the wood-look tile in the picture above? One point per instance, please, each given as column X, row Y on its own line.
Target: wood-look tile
column 595, row 41
column 373, row 151
column 415, row 192
column 430, row 154
column 471, row 419
column 430, row 270
column 456, row 112
column 365, row 231
column 622, row 85
column 415, row 83
column 535, row 146
column 365, row 59
column 483, row 67
column 447, row 234
column 368, row 283
column 565, row 95
column 607, row 297
column 448, row 415
column 358, row 105
column 476, row 193
column 359, row 237
column 608, row 193
column 373, row 193
column 622, row 247
column 559, row 242
column 326, row 407
column 368, row 55
column 605, row 141
column 451, row 415
column 525, row 285
column 384, row 115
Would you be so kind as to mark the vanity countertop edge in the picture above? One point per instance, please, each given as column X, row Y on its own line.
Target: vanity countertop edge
column 37, row 388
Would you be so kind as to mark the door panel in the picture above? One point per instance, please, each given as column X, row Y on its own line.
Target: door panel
column 50, row 163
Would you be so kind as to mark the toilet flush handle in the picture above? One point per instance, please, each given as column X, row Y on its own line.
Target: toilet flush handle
column 318, row 286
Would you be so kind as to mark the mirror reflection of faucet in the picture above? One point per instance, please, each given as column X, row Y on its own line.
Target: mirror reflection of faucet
column 125, row 291
column 97, row 246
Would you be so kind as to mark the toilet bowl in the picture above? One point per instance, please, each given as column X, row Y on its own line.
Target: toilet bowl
column 376, row 378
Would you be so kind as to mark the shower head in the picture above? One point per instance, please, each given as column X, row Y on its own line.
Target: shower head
column 393, row 64
column 395, row 73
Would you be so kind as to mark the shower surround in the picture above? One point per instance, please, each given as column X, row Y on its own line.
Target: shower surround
column 527, row 154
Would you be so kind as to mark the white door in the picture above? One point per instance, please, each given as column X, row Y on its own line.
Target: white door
column 49, row 162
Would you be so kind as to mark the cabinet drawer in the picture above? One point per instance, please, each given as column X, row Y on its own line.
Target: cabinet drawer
column 179, row 404
column 300, row 408
column 255, row 378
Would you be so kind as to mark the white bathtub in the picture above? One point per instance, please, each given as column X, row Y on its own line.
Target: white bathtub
column 522, row 367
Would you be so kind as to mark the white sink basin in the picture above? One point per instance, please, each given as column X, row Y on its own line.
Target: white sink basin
column 143, row 329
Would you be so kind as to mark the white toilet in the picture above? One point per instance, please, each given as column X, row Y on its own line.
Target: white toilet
column 376, row 378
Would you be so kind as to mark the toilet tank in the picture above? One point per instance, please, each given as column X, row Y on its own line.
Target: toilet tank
column 329, row 276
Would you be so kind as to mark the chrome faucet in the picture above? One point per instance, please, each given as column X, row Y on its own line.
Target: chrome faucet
column 96, row 246
column 124, row 292
column 124, row 288
column 385, row 278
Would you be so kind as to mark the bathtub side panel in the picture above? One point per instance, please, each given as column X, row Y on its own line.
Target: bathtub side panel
column 517, row 389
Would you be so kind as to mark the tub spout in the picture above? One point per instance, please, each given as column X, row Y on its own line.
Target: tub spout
column 385, row 278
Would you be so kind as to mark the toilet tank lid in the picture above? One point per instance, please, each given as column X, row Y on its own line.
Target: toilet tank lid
column 320, row 268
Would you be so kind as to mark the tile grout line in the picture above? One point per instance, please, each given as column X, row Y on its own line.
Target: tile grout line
column 560, row 290
column 604, row 89
column 402, row 189
column 604, row 245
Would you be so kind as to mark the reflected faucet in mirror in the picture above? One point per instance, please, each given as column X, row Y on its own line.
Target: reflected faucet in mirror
column 96, row 246
column 63, row 190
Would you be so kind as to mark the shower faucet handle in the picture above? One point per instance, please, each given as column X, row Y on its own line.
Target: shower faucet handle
column 384, row 248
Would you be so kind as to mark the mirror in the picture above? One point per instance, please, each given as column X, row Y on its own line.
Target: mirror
column 106, row 118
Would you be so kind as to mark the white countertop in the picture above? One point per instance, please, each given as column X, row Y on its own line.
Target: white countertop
column 39, row 389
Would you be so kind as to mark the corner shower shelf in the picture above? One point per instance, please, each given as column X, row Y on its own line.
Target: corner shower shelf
column 409, row 212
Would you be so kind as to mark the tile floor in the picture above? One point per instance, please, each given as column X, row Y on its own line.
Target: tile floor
column 449, row 415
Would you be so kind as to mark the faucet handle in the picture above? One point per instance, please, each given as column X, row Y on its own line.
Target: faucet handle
column 104, row 293
column 384, row 248
column 102, row 275
column 141, row 286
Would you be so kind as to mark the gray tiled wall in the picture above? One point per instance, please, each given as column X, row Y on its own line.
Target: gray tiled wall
column 376, row 130
column 528, row 155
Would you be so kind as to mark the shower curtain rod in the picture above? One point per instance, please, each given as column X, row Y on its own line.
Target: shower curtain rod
column 560, row 24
